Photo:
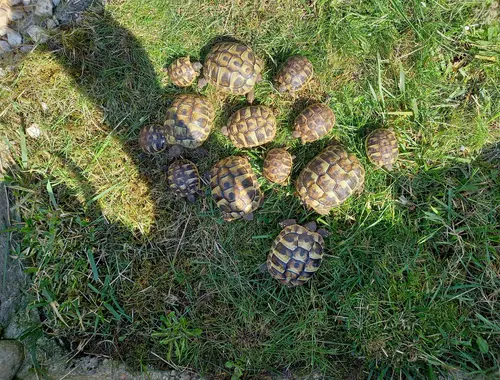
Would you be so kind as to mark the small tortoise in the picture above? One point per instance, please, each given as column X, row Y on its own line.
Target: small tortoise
column 251, row 126
column 183, row 179
column 235, row 188
column 296, row 253
column 295, row 73
column 189, row 121
column 382, row 148
column 152, row 139
column 182, row 72
column 314, row 122
column 232, row 68
column 278, row 166
column 329, row 179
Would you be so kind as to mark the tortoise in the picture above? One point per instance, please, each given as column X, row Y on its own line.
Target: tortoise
column 382, row 148
column 314, row 122
column 152, row 139
column 251, row 126
column 278, row 166
column 295, row 73
column 184, row 179
column 232, row 68
column 329, row 179
column 235, row 188
column 188, row 122
column 182, row 72
column 296, row 253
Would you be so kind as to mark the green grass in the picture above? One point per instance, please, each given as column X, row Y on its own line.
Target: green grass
column 409, row 287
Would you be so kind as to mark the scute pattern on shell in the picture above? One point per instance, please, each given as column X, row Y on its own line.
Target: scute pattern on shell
column 183, row 178
column 189, row 121
column 235, row 188
column 329, row 179
column 314, row 122
column 152, row 139
column 278, row 166
column 382, row 148
column 251, row 126
column 295, row 255
column 296, row 72
column 182, row 72
column 232, row 67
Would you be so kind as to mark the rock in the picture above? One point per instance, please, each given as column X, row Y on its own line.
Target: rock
column 17, row 14
column 11, row 358
column 26, row 48
column 50, row 24
column 26, row 2
column 71, row 10
column 14, row 2
column 14, row 38
column 56, row 2
column 4, row 47
column 37, row 34
column 33, row 131
column 44, row 8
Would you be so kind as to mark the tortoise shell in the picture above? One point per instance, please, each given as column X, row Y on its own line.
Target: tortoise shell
column 189, row 121
column 184, row 179
column 152, row 139
column 232, row 67
column 182, row 72
column 295, row 73
column 235, row 188
column 278, row 166
column 314, row 122
column 251, row 126
column 295, row 255
column 329, row 179
column 382, row 148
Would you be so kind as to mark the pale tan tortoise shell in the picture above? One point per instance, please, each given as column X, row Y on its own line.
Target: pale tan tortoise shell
column 235, row 188
column 278, row 166
column 251, row 126
column 329, row 179
column 295, row 255
column 382, row 148
column 232, row 67
column 184, row 179
column 295, row 73
column 314, row 123
column 189, row 121
column 152, row 139
column 182, row 72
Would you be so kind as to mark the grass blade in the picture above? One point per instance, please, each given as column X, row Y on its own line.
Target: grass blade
column 90, row 256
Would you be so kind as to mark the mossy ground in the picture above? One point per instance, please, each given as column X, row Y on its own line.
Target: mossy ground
column 409, row 287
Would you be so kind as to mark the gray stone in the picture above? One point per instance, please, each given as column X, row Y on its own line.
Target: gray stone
column 71, row 10
column 17, row 14
column 37, row 34
column 11, row 358
column 50, row 24
column 14, row 38
column 44, row 8
column 4, row 47
column 56, row 2
column 26, row 2
column 14, row 2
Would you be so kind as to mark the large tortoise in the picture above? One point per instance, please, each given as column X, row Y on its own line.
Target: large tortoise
column 233, row 68
column 296, row 253
column 235, row 188
column 329, row 179
column 189, row 121
column 251, row 126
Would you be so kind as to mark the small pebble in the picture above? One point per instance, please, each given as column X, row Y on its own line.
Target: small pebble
column 50, row 24
column 4, row 47
column 44, row 8
column 37, row 34
column 45, row 107
column 17, row 15
column 14, row 38
column 33, row 131
column 26, row 2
